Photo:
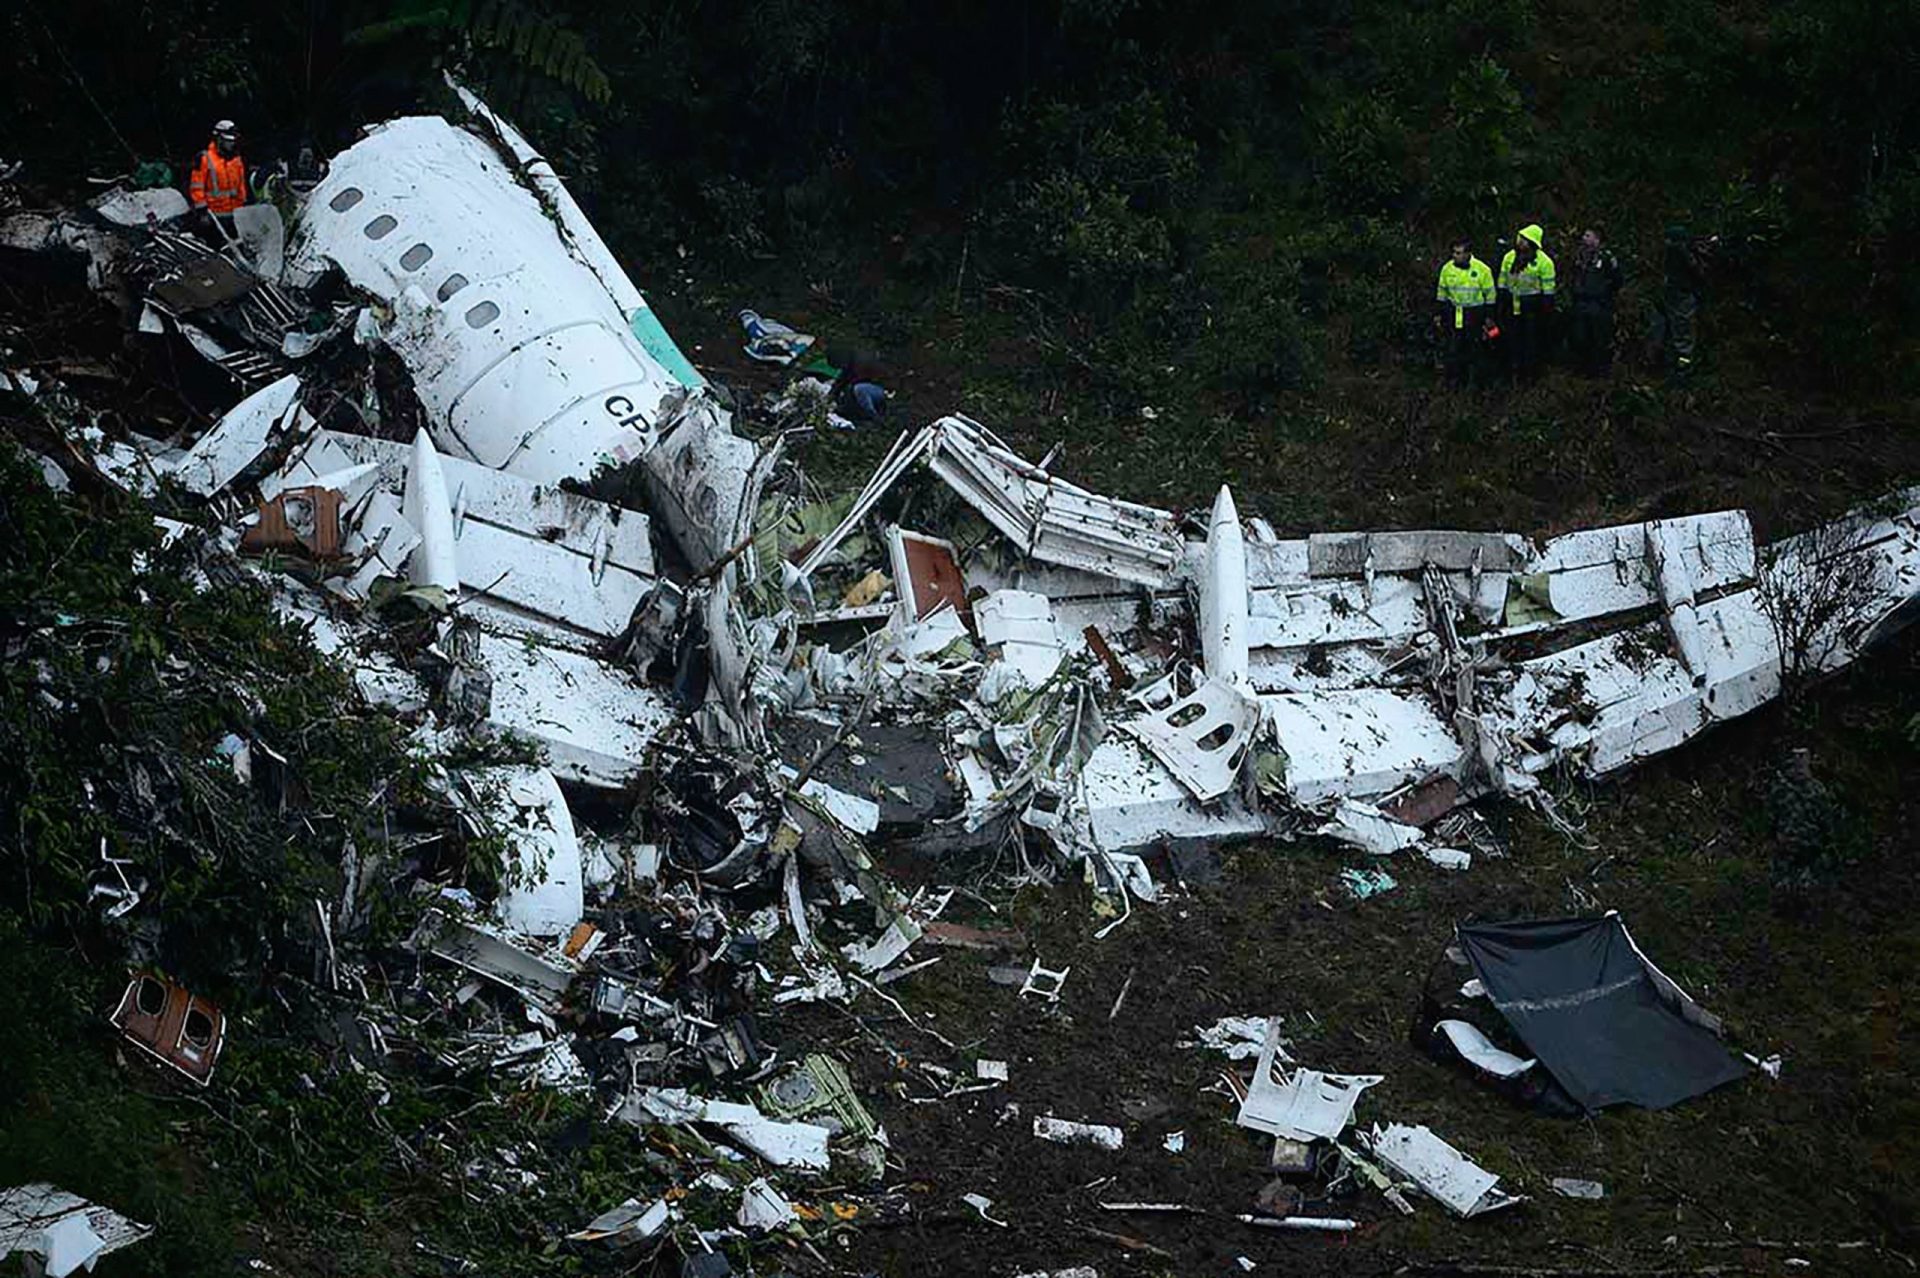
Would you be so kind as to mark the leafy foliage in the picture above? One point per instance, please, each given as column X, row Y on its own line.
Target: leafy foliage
column 536, row 40
column 123, row 681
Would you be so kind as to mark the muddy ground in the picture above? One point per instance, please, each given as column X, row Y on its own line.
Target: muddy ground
column 1750, row 1179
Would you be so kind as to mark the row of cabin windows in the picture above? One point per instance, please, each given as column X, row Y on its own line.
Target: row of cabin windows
column 478, row 315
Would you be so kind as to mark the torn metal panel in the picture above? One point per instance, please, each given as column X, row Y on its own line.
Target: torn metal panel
column 597, row 723
column 488, row 952
column 1125, row 799
column 1441, row 1171
column 1363, row 554
column 1596, row 572
column 124, row 207
column 522, row 357
column 567, row 559
column 1049, row 518
column 701, row 480
column 544, row 895
column 65, row 1231
column 305, row 519
column 174, row 1026
column 1224, row 633
column 763, row 1209
column 1306, row 1106
column 238, row 439
column 1202, row 738
column 1019, row 626
column 927, row 575
column 783, row 1144
column 1621, row 698
column 1358, row 743
column 1366, row 827
column 630, row 1222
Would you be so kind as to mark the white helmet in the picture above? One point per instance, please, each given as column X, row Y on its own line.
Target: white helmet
column 225, row 129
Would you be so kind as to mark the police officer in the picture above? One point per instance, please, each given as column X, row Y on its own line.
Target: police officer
column 1463, row 296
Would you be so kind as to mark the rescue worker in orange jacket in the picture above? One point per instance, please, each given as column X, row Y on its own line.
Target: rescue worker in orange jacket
column 219, row 183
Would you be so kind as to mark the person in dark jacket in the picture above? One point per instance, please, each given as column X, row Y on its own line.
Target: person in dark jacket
column 1685, row 281
column 1595, row 284
column 857, row 393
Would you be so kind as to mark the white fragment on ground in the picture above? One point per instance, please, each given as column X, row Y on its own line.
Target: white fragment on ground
column 1440, row 1170
column 763, row 1209
column 1568, row 1187
column 1064, row 1132
column 982, row 1204
column 1237, row 1037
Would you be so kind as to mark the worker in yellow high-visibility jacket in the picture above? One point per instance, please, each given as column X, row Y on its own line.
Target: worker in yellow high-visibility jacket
column 1526, row 288
column 1464, row 297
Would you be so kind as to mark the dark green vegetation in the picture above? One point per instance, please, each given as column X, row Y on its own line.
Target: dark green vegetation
column 1056, row 218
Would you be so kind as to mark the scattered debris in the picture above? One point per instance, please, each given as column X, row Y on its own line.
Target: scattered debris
column 727, row 730
column 1044, row 984
column 1317, row 1224
column 1567, row 1187
column 1440, row 1170
column 1363, row 883
column 1239, row 1037
column 630, row 1222
column 1064, row 1132
column 982, row 1204
column 175, row 1027
column 63, row 1231
column 763, row 1209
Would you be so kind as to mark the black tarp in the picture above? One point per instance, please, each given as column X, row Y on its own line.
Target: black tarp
column 1610, row 1028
